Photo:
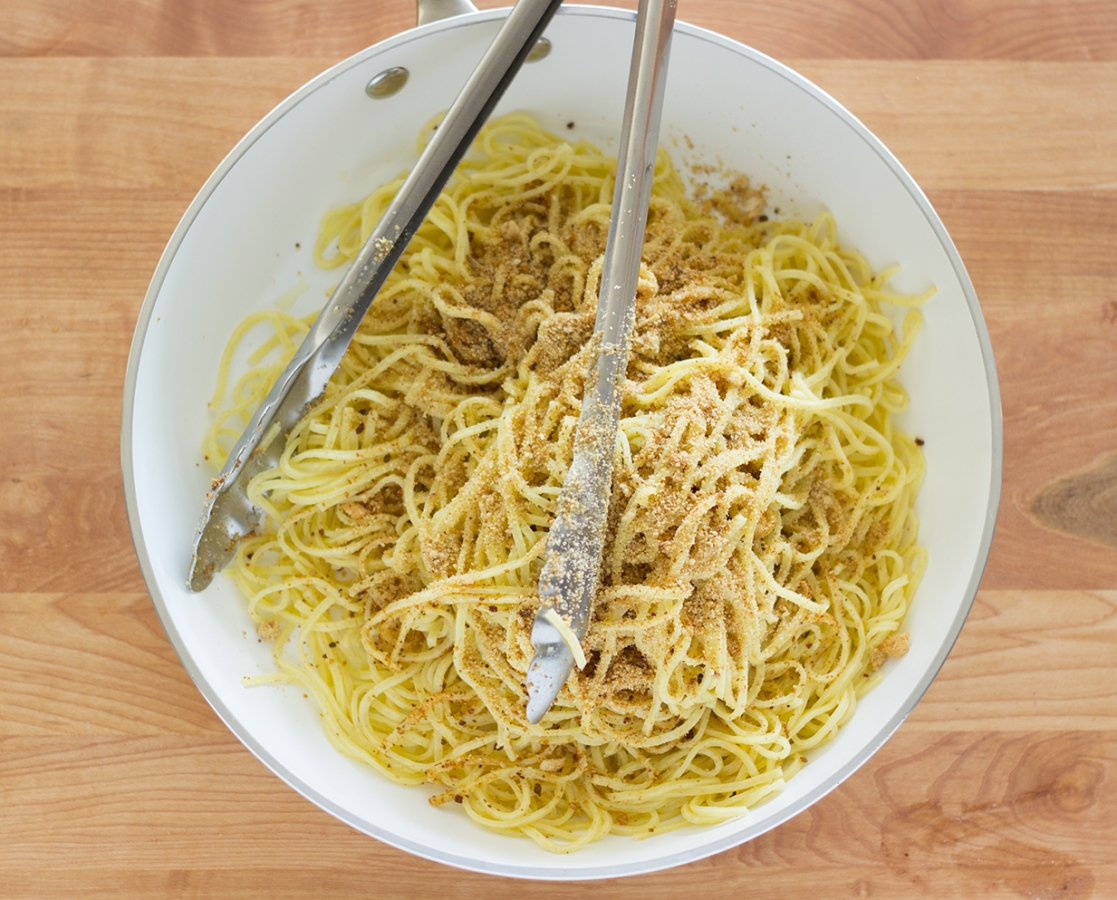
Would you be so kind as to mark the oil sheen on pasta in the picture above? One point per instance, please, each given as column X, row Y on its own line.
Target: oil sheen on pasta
column 762, row 551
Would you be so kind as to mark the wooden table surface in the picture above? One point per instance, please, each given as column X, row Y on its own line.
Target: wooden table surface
column 116, row 778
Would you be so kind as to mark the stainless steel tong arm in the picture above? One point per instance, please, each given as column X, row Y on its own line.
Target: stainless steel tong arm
column 576, row 539
column 229, row 514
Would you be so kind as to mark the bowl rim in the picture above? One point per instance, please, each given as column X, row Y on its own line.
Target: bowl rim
column 557, row 872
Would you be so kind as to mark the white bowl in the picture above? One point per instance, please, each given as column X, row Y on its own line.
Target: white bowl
column 235, row 251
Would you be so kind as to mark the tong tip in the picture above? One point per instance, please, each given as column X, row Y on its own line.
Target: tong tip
column 549, row 669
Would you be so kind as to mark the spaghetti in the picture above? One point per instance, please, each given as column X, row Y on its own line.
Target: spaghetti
column 762, row 550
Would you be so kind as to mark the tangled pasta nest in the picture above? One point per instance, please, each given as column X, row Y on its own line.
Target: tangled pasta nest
column 762, row 544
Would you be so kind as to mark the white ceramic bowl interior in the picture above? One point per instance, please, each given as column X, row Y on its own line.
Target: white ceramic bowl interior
column 245, row 242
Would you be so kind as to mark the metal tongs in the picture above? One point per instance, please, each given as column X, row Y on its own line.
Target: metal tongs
column 230, row 514
column 576, row 540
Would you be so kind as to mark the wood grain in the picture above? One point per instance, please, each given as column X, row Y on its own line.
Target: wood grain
column 948, row 122
column 116, row 778
column 93, row 664
column 1083, row 504
column 1072, row 30
column 1043, row 265
column 994, row 679
column 980, row 814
